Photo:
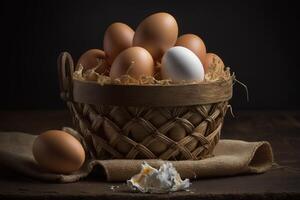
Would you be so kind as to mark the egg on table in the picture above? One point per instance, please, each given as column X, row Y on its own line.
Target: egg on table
column 180, row 63
column 193, row 43
column 93, row 58
column 156, row 33
column 118, row 36
column 134, row 61
column 58, row 152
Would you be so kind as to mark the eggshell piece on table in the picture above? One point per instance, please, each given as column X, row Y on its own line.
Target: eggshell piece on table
column 58, row 152
column 157, row 33
column 193, row 43
column 91, row 59
column 118, row 37
column 180, row 63
column 134, row 61
column 213, row 63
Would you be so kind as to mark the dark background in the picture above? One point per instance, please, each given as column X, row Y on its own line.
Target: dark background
column 257, row 39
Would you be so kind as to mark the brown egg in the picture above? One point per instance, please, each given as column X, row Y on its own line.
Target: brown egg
column 134, row 61
column 58, row 152
column 193, row 43
column 157, row 33
column 93, row 58
column 117, row 37
column 213, row 63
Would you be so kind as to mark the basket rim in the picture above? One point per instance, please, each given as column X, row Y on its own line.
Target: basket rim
column 220, row 81
column 139, row 95
column 151, row 95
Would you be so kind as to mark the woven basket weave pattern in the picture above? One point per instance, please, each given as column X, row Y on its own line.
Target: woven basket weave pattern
column 161, row 131
column 172, row 133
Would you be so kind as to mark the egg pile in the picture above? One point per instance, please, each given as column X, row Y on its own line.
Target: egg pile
column 152, row 50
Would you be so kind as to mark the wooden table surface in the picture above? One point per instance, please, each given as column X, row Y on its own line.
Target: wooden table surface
column 280, row 128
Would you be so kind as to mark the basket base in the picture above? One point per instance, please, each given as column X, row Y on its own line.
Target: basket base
column 167, row 133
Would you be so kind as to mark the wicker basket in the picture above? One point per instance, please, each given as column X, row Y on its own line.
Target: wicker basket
column 171, row 122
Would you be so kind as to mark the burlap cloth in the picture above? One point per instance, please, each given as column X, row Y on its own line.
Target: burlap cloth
column 231, row 157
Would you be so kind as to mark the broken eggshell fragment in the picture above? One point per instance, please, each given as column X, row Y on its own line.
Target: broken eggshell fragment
column 164, row 180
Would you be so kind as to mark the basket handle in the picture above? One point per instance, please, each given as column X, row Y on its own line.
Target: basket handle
column 65, row 75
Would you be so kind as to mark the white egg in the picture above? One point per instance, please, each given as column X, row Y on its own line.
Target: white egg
column 180, row 63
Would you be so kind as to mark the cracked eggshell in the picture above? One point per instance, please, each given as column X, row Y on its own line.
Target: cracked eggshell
column 180, row 63
column 117, row 37
column 164, row 180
